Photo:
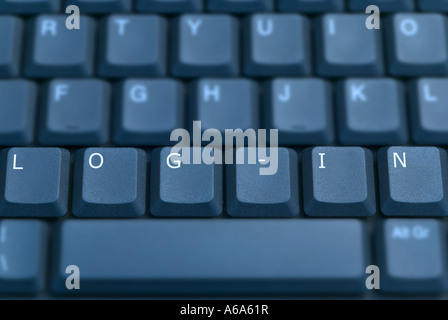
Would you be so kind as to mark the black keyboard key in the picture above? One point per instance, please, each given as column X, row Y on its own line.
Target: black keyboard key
column 338, row 181
column 132, row 45
column 411, row 256
column 55, row 51
column 75, row 112
column 101, row 6
column 417, row 44
column 10, row 45
column 222, row 256
column 29, row 6
column 17, row 112
column 429, row 115
column 301, row 110
column 147, row 111
column 205, row 45
column 241, row 6
column 169, row 6
column 434, row 5
column 267, row 36
column 215, row 102
column 34, row 182
column 22, row 256
column 109, row 183
column 311, row 6
column 383, row 5
column 181, row 189
column 413, row 181
column 345, row 47
column 371, row 112
column 266, row 188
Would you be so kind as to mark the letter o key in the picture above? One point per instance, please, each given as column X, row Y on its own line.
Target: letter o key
column 101, row 160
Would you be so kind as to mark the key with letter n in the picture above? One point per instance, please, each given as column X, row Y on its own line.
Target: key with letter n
column 413, row 181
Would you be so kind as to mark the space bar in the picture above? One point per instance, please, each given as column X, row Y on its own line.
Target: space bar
column 221, row 256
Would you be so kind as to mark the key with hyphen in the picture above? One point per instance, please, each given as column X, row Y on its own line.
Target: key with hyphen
column 262, row 189
column 75, row 112
column 371, row 112
column 10, row 46
column 147, row 111
column 205, row 45
column 338, row 181
column 169, row 7
column 216, row 102
column 413, row 181
column 241, row 6
column 311, row 6
column 428, row 98
column 34, row 182
column 345, row 47
column 181, row 189
column 265, row 38
column 109, row 183
column 132, row 45
column 101, row 6
column 417, row 44
column 221, row 256
column 301, row 110
column 411, row 255
column 17, row 113
column 55, row 51
column 23, row 253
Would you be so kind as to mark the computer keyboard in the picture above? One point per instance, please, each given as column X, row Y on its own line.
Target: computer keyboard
column 87, row 116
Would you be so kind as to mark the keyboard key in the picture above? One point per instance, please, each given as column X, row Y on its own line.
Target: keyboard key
column 413, row 181
column 147, row 111
column 169, row 6
column 301, row 110
column 55, row 51
column 132, row 45
column 101, row 6
column 434, row 5
column 109, row 183
column 345, row 47
column 429, row 115
column 267, row 36
column 383, row 5
column 76, row 112
column 241, row 6
column 371, row 112
column 338, row 181
column 411, row 255
column 10, row 46
column 205, row 45
column 215, row 102
column 22, row 256
column 17, row 112
column 29, row 6
column 273, row 193
column 222, row 256
column 417, row 44
column 34, row 182
column 181, row 189
column 311, row 6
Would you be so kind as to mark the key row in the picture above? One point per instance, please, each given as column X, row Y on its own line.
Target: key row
column 145, row 112
column 116, row 183
column 209, row 45
column 154, row 256
column 241, row 6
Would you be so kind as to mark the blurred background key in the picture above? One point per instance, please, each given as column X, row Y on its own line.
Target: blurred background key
column 10, row 46
column 29, row 6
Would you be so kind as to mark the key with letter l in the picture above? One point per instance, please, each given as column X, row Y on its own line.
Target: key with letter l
column 413, row 181
column 411, row 255
column 34, row 182
column 338, row 181
column 109, row 182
